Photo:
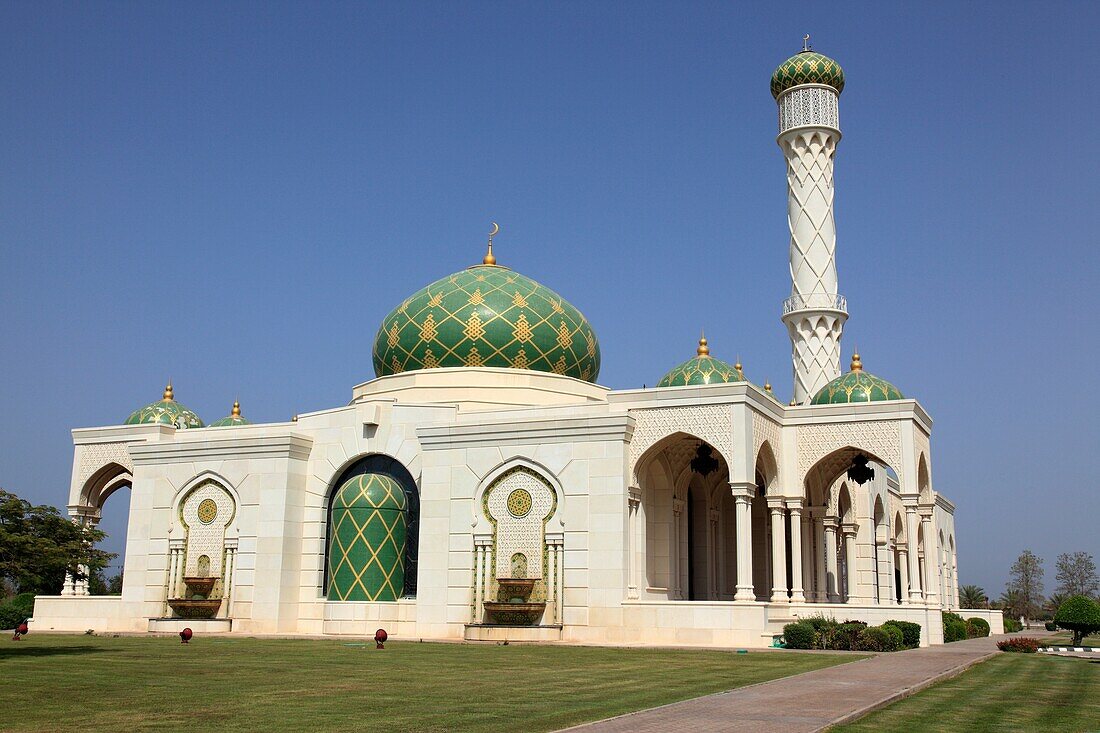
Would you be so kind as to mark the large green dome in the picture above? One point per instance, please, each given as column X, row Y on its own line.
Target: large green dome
column 702, row 369
column 807, row 67
column 166, row 411
column 487, row 316
column 856, row 386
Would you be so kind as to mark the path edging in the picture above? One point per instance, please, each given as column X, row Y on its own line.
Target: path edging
column 904, row 693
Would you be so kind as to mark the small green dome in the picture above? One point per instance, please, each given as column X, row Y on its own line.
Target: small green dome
column 807, row 67
column 166, row 412
column 233, row 420
column 487, row 316
column 702, row 369
column 856, row 386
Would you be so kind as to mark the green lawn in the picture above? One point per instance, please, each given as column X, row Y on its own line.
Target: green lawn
column 1010, row 692
column 237, row 684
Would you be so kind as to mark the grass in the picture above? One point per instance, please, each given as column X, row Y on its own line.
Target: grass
column 242, row 684
column 1010, row 692
column 1065, row 638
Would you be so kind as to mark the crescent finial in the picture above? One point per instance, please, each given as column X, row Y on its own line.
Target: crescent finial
column 489, row 259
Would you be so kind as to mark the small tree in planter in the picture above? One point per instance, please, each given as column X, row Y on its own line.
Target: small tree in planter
column 1079, row 614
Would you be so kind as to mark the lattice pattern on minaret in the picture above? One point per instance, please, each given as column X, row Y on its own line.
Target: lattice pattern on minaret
column 815, row 313
column 809, row 155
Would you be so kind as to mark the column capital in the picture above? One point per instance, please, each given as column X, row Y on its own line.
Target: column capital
column 831, row 521
column 483, row 540
column 776, row 503
column 797, row 504
column 634, row 495
column 678, row 506
column 555, row 539
column 848, row 528
column 926, row 511
column 743, row 489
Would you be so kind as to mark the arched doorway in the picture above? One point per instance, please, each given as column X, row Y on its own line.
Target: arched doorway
column 687, row 521
column 103, row 490
column 384, row 465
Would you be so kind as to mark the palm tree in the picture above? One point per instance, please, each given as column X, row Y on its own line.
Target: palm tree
column 1011, row 602
column 972, row 596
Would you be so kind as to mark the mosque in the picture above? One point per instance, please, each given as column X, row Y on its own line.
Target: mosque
column 484, row 486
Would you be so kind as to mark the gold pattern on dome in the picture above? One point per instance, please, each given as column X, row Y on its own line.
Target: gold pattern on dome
column 428, row 331
column 518, row 300
column 519, row 503
column 564, row 337
column 522, row 331
column 556, row 306
column 473, row 359
column 436, row 300
column 560, row 366
column 477, row 298
column 474, row 329
column 393, row 336
column 207, row 511
column 430, row 362
column 590, row 342
column 520, row 362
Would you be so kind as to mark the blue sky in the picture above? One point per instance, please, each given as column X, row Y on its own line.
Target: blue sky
column 234, row 195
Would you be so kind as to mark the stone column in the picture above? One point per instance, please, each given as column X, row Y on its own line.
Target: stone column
column 634, row 500
column 903, row 566
column 713, row 554
column 795, row 507
column 832, row 577
column 931, row 558
column 557, row 546
column 916, row 595
column 227, row 575
column 849, row 530
column 779, row 552
column 678, row 507
column 742, row 496
column 821, row 584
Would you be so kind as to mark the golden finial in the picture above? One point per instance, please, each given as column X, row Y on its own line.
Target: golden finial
column 737, row 366
column 168, row 394
column 236, row 408
column 857, row 365
column 294, row 419
column 767, row 386
column 489, row 258
column 703, row 349
column 793, row 403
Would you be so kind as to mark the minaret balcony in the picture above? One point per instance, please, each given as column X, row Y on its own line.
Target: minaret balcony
column 815, row 301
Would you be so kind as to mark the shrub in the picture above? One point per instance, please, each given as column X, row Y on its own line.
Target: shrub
column 1051, row 626
column 879, row 639
column 826, row 627
column 910, row 633
column 897, row 639
column 1079, row 614
column 847, row 635
column 1012, row 626
column 15, row 611
column 976, row 627
column 800, row 635
column 1024, row 644
column 954, row 628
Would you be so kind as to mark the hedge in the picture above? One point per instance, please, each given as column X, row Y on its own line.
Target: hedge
column 1012, row 626
column 879, row 639
column 1024, row 644
column 910, row 632
column 847, row 635
column 976, row 627
column 16, row 610
column 954, row 628
column 800, row 635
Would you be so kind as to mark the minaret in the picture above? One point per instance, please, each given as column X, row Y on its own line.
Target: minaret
column 807, row 89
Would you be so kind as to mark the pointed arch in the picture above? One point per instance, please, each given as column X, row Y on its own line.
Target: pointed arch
column 924, row 482
column 556, row 521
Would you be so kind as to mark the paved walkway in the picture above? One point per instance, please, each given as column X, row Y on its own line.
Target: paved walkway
column 809, row 701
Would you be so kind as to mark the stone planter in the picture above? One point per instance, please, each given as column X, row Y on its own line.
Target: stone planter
column 199, row 586
column 195, row 607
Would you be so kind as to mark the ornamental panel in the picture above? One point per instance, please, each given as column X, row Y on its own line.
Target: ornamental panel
column 765, row 430
column 712, row 423
column 879, row 437
column 97, row 455
column 205, row 514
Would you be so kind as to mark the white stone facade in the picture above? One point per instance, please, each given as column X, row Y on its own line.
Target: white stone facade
column 624, row 568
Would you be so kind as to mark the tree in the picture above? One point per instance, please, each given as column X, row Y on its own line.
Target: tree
column 1079, row 614
column 38, row 546
column 971, row 596
column 114, row 585
column 1077, row 574
column 1027, row 582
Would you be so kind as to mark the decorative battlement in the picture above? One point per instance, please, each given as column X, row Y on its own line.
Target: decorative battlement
column 815, row 301
column 809, row 105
